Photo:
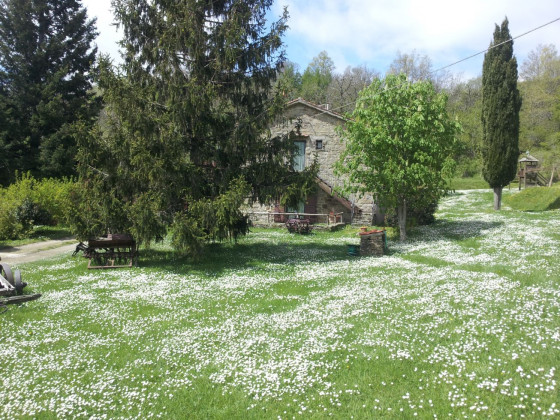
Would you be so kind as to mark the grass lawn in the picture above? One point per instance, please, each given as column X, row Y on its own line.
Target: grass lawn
column 535, row 199
column 470, row 183
column 462, row 321
column 474, row 183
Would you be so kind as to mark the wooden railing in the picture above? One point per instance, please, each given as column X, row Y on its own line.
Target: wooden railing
column 541, row 180
column 328, row 218
column 531, row 176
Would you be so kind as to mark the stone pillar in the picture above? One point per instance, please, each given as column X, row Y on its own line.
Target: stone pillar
column 372, row 243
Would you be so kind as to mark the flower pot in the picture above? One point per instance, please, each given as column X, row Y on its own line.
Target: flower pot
column 353, row 250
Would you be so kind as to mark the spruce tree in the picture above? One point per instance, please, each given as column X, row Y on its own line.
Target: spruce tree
column 501, row 103
column 46, row 59
column 184, row 138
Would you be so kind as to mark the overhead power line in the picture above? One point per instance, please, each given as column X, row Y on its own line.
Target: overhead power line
column 497, row 45
column 471, row 56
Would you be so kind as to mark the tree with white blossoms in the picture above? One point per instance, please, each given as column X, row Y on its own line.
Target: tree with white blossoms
column 399, row 144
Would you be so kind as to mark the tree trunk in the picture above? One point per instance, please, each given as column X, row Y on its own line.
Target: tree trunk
column 497, row 198
column 401, row 214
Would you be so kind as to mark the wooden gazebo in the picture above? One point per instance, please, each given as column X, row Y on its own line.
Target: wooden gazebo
column 529, row 172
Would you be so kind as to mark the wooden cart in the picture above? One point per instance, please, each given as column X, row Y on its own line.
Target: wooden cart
column 111, row 251
column 11, row 287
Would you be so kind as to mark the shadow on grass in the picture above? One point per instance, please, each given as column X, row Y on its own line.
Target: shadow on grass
column 7, row 248
column 449, row 230
column 221, row 257
column 444, row 229
column 464, row 229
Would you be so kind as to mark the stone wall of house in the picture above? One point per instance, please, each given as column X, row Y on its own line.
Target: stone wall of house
column 260, row 215
column 319, row 128
column 263, row 214
column 327, row 204
column 313, row 127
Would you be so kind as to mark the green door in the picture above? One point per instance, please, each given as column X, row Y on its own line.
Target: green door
column 300, row 209
column 299, row 158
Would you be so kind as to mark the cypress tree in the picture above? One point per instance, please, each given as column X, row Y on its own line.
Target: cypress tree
column 46, row 59
column 501, row 103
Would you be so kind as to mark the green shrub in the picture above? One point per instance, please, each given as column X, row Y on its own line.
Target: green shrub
column 468, row 167
column 52, row 198
column 28, row 202
column 419, row 213
column 27, row 212
column 15, row 209
column 10, row 228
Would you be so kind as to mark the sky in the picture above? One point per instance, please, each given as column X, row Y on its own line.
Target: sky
column 372, row 32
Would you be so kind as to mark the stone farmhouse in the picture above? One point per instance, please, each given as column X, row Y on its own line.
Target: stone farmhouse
column 313, row 129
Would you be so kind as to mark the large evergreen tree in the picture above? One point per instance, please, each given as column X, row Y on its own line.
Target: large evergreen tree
column 185, row 139
column 46, row 59
column 501, row 103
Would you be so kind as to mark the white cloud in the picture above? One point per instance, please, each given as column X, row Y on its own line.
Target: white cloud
column 372, row 31
column 355, row 32
column 108, row 34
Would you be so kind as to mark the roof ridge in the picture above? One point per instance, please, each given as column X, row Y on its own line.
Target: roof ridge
column 316, row 106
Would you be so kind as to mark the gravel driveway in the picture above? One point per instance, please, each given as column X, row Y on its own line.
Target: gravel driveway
column 37, row 251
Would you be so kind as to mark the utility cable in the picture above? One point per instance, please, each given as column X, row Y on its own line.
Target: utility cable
column 495, row 46
column 466, row 58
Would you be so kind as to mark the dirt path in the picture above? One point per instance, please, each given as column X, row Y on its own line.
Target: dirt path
column 37, row 251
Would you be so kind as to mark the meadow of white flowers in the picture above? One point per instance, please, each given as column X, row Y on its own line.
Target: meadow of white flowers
column 461, row 321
